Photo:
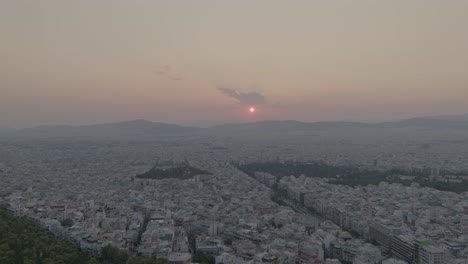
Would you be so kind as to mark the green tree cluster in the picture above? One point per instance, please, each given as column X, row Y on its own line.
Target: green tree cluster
column 112, row 255
column 352, row 175
column 182, row 173
column 202, row 258
column 67, row 222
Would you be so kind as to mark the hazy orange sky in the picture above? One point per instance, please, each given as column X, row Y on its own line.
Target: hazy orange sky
column 202, row 62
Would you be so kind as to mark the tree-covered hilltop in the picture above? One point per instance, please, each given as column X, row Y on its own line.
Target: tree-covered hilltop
column 182, row 172
column 23, row 243
column 353, row 175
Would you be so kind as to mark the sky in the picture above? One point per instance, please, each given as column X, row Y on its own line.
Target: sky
column 206, row 62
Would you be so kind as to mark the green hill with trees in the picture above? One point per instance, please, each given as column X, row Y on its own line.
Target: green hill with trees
column 182, row 173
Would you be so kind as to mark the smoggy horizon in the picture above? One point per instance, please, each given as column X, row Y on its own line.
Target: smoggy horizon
column 208, row 62
column 214, row 123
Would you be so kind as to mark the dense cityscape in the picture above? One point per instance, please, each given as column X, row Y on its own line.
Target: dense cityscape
column 216, row 196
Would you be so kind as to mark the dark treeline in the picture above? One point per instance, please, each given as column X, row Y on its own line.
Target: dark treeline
column 352, row 175
column 202, row 258
column 309, row 169
column 425, row 172
column 21, row 242
column 199, row 256
column 182, row 173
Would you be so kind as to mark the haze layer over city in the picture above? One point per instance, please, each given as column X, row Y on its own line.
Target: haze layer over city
column 234, row 132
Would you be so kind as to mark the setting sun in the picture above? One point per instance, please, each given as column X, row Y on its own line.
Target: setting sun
column 252, row 109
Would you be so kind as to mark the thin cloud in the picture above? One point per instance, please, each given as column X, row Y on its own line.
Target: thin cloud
column 168, row 72
column 245, row 98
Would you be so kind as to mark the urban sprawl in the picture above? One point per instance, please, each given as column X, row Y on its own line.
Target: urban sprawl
column 89, row 193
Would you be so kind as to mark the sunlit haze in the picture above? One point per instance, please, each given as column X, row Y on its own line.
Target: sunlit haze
column 234, row 131
column 205, row 62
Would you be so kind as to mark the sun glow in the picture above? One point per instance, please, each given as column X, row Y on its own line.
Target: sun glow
column 252, row 110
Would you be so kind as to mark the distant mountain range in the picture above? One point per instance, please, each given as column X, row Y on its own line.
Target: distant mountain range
column 449, row 117
column 430, row 123
column 287, row 125
column 138, row 129
column 438, row 122
column 143, row 129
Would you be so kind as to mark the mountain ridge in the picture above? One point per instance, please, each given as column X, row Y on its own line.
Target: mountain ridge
column 123, row 129
column 145, row 128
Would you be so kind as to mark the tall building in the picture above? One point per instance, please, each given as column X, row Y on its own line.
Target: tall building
column 405, row 248
column 431, row 255
column 383, row 234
